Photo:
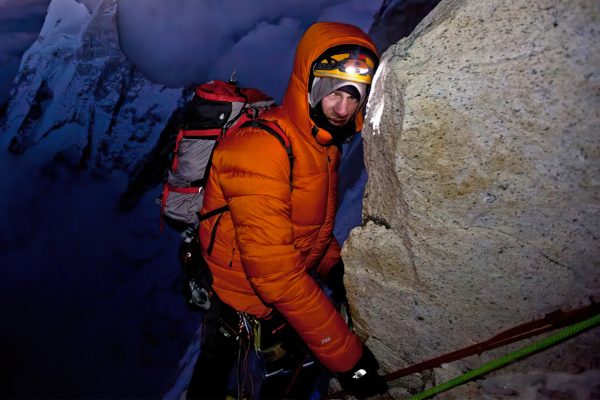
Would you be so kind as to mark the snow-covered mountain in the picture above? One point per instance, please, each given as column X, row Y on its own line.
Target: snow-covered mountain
column 75, row 83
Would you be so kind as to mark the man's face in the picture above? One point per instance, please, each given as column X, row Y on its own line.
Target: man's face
column 339, row 107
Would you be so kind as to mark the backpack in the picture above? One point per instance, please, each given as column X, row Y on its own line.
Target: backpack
column 216, row 108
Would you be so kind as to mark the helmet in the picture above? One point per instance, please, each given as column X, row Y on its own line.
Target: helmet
column 347, row 67
column 349, row 63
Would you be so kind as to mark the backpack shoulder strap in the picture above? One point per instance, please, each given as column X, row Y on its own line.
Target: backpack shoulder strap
column 274, row 129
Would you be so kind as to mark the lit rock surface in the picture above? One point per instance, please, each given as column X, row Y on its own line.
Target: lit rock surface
column 481, row 212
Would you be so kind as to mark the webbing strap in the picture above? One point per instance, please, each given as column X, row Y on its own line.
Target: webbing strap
column 211, row 133
column 217, row 211
column 564, row 334
column 275, row 130
column 213, row 235
column 186, row 190
column 220, row 210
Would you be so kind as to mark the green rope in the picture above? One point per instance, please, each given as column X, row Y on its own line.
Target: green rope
column 549, row 341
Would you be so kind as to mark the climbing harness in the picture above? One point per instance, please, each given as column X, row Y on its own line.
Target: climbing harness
column 254, row 356
column 576, row 322
column 258, row 361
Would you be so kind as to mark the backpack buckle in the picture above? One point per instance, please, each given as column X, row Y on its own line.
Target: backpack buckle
column 252, row 112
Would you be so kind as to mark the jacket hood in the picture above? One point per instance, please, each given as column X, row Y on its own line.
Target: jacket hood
column 320, row 37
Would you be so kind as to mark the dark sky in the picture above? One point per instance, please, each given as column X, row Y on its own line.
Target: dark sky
column 20, row 23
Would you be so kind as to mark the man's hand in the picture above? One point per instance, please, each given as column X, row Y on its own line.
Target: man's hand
column 363, row 380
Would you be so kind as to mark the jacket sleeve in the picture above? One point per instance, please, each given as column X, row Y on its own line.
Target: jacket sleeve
column 255, row 180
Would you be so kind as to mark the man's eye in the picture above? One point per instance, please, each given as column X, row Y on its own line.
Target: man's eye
column 338, row 94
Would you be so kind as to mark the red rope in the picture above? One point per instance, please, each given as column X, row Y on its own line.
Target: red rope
column 551, row 321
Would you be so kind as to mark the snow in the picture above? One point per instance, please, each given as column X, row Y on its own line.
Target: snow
column 64, row 22
column 89, row 294
column 85, row 288
column 218, row 32
column 59, row 38
column 186, row 368
column 377, row 104
column 88, row 81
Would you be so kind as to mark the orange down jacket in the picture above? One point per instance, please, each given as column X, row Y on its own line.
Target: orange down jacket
column 277, row 229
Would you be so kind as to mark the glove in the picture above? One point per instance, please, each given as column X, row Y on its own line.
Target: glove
column 363, row 380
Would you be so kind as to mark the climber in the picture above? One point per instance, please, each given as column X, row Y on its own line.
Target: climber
column 271, row 251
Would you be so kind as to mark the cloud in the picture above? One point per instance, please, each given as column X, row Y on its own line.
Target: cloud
column 20, row 23
column 356, row 12
column 8, row 70
column 185, row 41
column 263, row 58
column 90, row 4
column 179, row 42
column 14, row 44
column 22, row 8
column 172, row 43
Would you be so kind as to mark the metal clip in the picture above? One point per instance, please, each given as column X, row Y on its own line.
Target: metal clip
column 199, row 295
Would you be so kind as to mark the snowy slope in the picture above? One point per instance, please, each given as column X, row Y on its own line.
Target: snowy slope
column 90, row 297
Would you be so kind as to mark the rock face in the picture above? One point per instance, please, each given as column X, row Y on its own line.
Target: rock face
column 481, row 211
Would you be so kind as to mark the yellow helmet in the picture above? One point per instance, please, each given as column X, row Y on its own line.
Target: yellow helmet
column 349, row 63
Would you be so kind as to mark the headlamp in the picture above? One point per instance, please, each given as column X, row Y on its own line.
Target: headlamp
column 350, row 65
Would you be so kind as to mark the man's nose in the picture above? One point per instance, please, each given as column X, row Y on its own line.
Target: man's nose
column 341, row 107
